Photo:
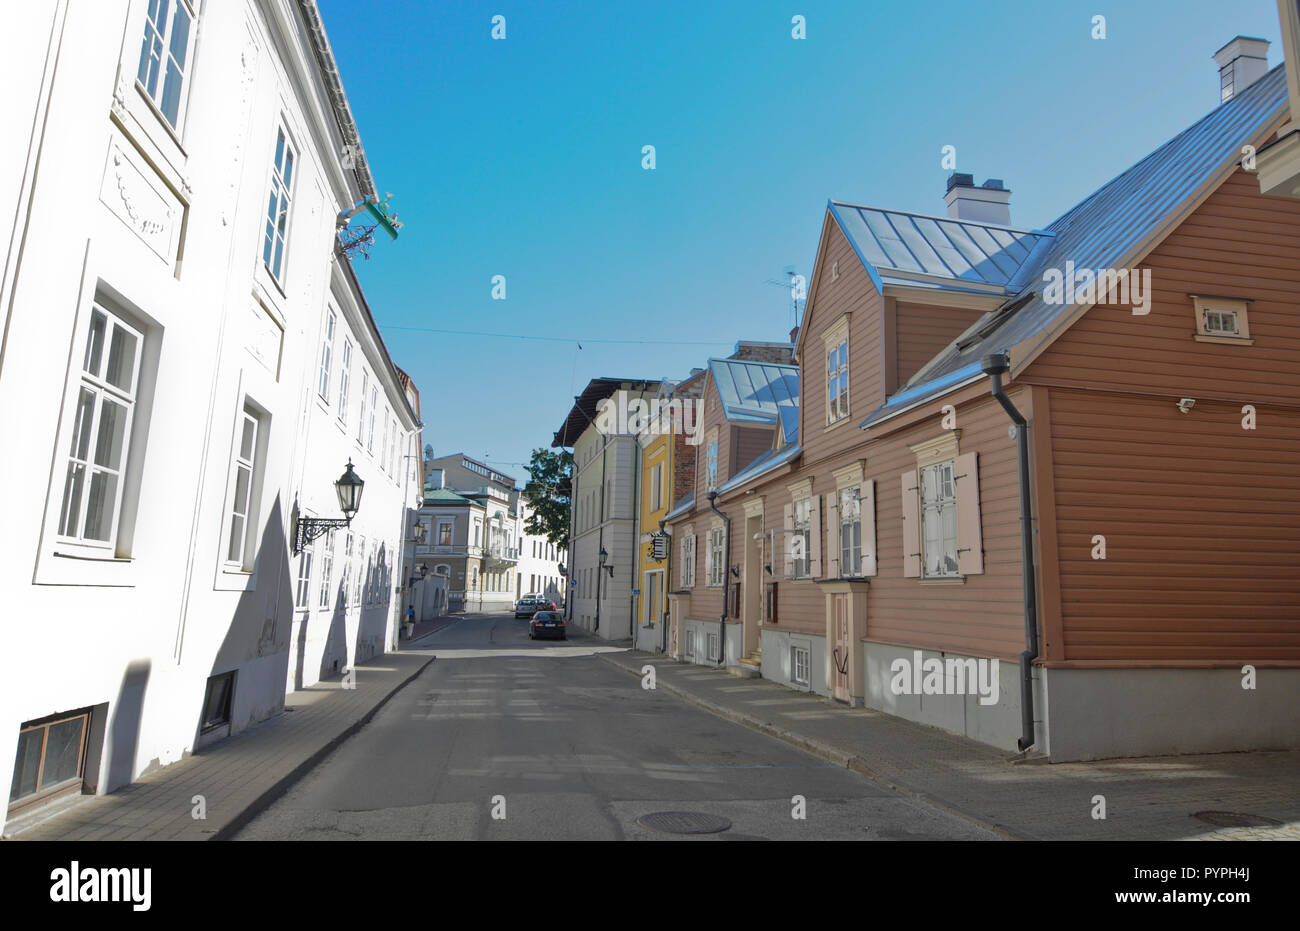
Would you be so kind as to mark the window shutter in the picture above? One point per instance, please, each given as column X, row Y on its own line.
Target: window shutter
column 815, row 538
column 708, row 558
column 867, row 508
column 970, row 543
column 911, row 525
column 833, row 567
column 695, row 548
column 784, row 569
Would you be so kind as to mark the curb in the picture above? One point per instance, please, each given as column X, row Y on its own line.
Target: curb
column 826, row 751
column 282, row 785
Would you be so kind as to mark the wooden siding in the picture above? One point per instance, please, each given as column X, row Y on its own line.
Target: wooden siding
column 748, row 444
column 1201, row 520
column 921, row 332
column 852, row 292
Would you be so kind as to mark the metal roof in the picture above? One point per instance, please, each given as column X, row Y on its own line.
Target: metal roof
column 434, row 496
column 947, row 253
column 1103, row 230
column 756, row 392
column 683, row 506
column 765, row 463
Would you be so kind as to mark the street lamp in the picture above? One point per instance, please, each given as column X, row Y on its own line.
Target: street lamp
column 604, row 557
column 348, row 488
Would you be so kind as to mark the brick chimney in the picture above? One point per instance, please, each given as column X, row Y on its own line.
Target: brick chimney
column 1242, row 62
column 988, row 203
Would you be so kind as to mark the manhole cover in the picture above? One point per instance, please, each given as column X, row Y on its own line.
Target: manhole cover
column 1235, row 819
column 684, row 822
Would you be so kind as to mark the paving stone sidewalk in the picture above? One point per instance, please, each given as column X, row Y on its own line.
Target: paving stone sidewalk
column 1149, row 798
column 240, row 776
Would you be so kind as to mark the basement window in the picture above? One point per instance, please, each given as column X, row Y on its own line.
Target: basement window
column 799, row 665
column 1221, row 320
column 51, row 759
column 216, row 702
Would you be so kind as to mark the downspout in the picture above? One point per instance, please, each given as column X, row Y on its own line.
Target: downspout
column 995, row 366
column 600, row 538
column 726, row 579
column 668, row 578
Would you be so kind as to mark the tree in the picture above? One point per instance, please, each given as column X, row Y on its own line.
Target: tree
column 547, row 494
column 428, row 452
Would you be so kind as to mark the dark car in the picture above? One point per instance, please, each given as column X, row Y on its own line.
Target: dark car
column 546, row 624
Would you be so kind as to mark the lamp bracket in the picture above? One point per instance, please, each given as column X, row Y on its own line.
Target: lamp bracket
column 309, row 528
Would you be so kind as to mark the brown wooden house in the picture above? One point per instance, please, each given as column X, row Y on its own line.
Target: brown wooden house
column 1150, row 339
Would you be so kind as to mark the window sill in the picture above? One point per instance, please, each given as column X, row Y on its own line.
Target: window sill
column 955, row 580
column 1224, row 340
column 837, row 423
column 94, row 557
column 162, row 120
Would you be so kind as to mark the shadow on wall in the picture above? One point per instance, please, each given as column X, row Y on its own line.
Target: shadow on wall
column 124, row 732
column 258, row 628
column 374, row 617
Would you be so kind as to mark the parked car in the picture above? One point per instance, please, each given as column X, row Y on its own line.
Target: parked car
column 546, row 624
column 529, row 605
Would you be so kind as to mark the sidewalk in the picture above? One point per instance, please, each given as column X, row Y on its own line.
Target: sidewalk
column 431, row 626
column 240, row 776
column 1151, row 798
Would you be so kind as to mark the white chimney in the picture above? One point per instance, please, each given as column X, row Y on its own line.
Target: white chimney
column 1242, row 62
column 988, row 203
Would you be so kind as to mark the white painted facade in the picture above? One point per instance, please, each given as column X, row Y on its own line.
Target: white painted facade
column 125, row 604
column 539, row 562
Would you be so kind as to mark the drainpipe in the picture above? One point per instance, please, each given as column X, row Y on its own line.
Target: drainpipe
column 668, row 578
column 995, row 366
column 726, row 579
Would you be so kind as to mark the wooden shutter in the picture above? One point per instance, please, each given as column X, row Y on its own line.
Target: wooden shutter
column 970, row 542
column 708, row 558
column 867, row 509
column 911, row 524
column 782, row 564
column 833, row 567
column 815, row 537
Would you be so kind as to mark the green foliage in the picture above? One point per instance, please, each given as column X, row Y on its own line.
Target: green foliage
column 547, row 494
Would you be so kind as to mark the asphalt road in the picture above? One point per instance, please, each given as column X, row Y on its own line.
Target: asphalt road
column 503, row 738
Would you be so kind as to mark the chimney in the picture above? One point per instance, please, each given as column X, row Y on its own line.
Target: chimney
column 1242, row 62
column 988, row 203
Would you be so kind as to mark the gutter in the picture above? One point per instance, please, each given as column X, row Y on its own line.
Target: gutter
column 726, row 579
column 995, row 366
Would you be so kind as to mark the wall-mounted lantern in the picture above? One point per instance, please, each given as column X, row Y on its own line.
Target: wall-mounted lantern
column 604, row 557
column 349, row 488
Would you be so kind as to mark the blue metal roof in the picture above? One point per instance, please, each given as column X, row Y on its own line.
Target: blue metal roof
column 953, row 254
column 1104, row 229
column 755, row 392
column 683, row 506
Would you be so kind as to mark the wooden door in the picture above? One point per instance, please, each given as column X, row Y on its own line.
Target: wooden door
column 841, row 650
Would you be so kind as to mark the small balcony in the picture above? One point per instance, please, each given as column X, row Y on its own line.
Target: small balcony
column 498, row 552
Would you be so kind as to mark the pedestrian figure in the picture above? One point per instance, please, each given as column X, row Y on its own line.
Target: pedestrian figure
column 410, row 614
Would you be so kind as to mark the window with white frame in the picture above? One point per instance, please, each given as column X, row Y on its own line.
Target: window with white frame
column 1221, row 320
column 326, row 356
column 690, row 643
column 242, row 493
column 938, row 521
column 345, row 376
column 850, row 531
column 837, row 381
column 165, row 54
column 345, row 573
column 302, row 597
column 711, row 465
column 801, row 539
column 688, row 561
column 361, row 420
column 370, row 432
column 717, row 569
column 712, row 643
column 359, row 576
column 383, row 445
column 101, row 432
column 277, row 211
column 656, row 486
column 799, row 665
column 444, row 532
column 326, row 570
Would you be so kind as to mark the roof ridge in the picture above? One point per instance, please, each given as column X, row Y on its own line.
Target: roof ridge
column 938, row 218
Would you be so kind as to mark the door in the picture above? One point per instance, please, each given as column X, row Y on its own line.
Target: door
column 841, row 650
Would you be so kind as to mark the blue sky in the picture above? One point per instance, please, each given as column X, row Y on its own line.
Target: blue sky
column 522, row 157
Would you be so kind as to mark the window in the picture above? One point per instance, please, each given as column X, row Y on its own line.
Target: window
column 656, row 487
column 717, row 569
column 326, row 570
column 383, row 446
column 345, row 376
column 1221, row 320
column 345, row 575
column 374, row 403
column 106, row 400
column 245, row 482
column 713, row 655
column 51, row 758
column 799, row 665
column 711, row 466
column 361, row 421
column 801, row 539
column 302, row 596
column 217, row 700
column 690, row 643
column 326, row 357
column 444, row 532
column 688, row 561
column 837, row 381
column 277, row 211
column 165, row 54
column 360, row 571
column 850, row 531
column 938, row 521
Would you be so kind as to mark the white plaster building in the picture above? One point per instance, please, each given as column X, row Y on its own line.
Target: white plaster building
column 170, row 176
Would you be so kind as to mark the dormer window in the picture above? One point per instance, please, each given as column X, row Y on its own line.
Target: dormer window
column 1221, row 320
